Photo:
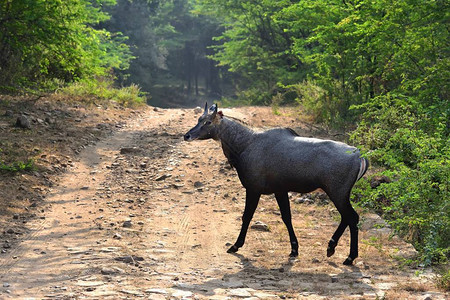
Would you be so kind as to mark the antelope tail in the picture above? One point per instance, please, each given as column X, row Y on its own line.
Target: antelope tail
column 363, row 166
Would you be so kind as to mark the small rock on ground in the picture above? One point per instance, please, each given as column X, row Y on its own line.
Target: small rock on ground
column 23, row 122
column 258, row 225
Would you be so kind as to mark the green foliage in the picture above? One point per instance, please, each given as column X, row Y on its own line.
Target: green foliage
column 443, row 281
column 276, row 101
column 353, row 50
column 382, row 63
column 254, row 96
column 105, row 90
column 17, row 166
column 170, row 41
column 47, row 39
column 416, row 158
column 253, row 46
column 311, row 97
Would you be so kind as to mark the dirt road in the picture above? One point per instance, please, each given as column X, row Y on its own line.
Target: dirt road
column 144, row 214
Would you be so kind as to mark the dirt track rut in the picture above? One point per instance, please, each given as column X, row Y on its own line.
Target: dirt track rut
column 143, row 214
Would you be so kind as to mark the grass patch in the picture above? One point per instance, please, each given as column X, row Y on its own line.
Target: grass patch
column 443, row 280
column 18, row 166
column 413, row 287
column 374, row 242
column 276, row 101
column 103, row 89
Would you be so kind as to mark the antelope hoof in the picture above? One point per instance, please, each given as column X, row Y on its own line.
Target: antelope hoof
column 294, row 253
column 233, row 249
column 348, row 261
column 330, row 251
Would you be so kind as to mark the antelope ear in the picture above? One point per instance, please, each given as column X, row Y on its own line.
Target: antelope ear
column 213, row 110
column 205, row 112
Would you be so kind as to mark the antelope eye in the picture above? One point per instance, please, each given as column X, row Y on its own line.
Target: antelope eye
column 207, row 122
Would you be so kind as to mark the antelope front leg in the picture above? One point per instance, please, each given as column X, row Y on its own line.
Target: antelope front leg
column 251, row 202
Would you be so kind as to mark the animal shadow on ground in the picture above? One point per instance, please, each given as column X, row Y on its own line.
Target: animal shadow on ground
column 282, row 280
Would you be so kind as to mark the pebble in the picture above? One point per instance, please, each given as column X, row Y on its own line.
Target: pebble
column 112, row 271
column 258, row 225
column 198, row 184
column 162, row 177
column 304, row 199
column 241, row 293
column 127, row 224
column 129, row 259
column 219, row 297
column 109, row 249
column 49, row 120
column 232, row 283
column 181, row 294
column 263, row 295
column 23, row 122
column 129, row 150
column 89, row 283
column 158, row 297
column 156, row 291
column 133, row 293
column 385, row 285
column 117, row 236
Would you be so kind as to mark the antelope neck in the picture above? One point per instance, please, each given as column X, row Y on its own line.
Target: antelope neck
column 235, row 136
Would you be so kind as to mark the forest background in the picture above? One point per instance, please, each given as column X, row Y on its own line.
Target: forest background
column 379, row 69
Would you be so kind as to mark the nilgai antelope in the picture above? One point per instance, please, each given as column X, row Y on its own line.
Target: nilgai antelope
column 279, row 161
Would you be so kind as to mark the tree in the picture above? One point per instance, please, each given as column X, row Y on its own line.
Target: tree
column 381, row 64
column 170, row 41
column 254, row 45
column 50, row 39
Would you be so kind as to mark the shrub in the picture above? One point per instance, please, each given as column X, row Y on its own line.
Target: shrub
column 416, row 200
column 254, row 96
column 17, row 166
column 311, row 97
column 103, row 89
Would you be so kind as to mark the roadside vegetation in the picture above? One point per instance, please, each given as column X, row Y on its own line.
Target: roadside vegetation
column 379, row 69
column 100, row 90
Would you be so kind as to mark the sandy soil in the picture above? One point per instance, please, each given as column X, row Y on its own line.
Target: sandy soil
column 138, row 213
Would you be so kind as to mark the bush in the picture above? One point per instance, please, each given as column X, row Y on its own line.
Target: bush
column 443, row 281
column 66, row 43
column 254, row 96
column 311, row 98
column 103, row 89
column 323, row 105
column 17, row 166
column 416, row 200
